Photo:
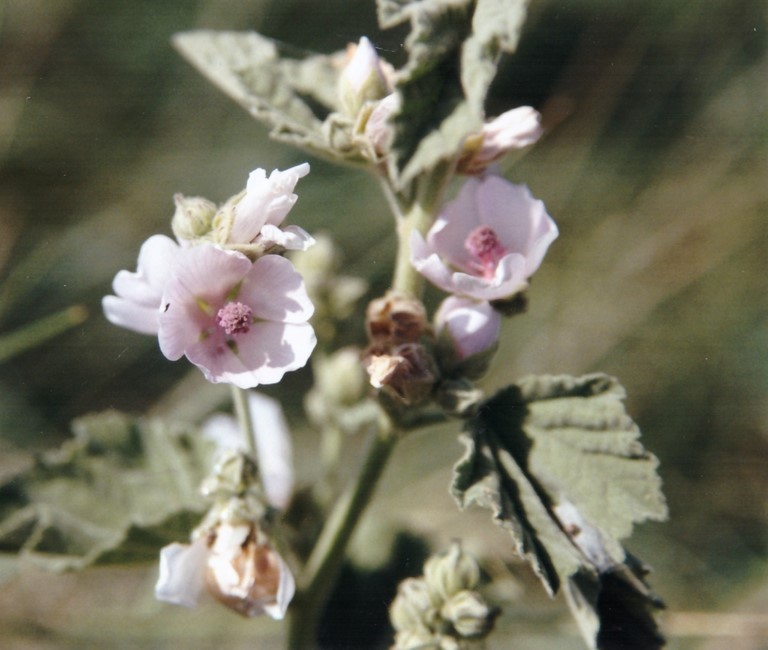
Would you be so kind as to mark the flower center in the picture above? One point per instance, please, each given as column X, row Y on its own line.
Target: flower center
column 234, row 318
column 484, row 245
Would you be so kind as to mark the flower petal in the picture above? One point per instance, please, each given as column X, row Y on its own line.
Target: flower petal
column 204, row 276
column 125, row 313
column 273, row 444
column 262, row 356
column 266, row 201
column 182, row 573
column 286, row 589
column 291, row 238
column 275, row 291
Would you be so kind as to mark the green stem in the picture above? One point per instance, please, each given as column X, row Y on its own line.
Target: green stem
column 418, row 217
column 324, row 563
column 243, row 413
column 37, row 333
column 327, row 556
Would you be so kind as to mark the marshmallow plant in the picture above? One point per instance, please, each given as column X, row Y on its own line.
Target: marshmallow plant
column 241, row 294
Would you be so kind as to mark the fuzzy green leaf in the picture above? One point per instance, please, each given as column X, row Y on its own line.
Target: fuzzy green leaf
column 115, row 493
column 558, row 462
column 614, row 610
column 454, row 48
column 292, row 95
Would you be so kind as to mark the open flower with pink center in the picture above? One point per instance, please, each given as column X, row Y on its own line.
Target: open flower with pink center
column 263, row 208
column 487, row 242
column 240, row 322
column 138, row 294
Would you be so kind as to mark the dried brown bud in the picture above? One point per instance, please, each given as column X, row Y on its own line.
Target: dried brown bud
column 406, row 372
column 396, row 318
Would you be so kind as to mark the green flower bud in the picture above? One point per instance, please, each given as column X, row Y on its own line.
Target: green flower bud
column 451, row 572
column 233, row 475
column 193, row 216
column 412, row 608
column 362, row 79
column 341, row 377
column 469, row 614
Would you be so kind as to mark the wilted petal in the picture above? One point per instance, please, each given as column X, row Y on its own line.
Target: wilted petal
column 182, row 573
column 266, row 201
column 246, row 574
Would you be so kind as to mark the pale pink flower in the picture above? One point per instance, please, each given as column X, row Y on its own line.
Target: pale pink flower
column 272, row 440
column 263, row 208
column 240, row 322
column 515, row 129
column 471, row 326
column 138, row 295
column 235, row 563
column 487, row 242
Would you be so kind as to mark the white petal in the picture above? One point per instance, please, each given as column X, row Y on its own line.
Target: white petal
column 291, row 238
column 275, row 291
column 273, row 444
column 285, row 590
column 130, row 315
column 223, row 431
column 182, row 573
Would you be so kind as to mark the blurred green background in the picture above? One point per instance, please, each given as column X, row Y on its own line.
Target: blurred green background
column 655, row 166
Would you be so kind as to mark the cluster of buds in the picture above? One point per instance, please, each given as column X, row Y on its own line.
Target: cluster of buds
column 367, row 96
column 443, row 609
column 397, row 360
column 222, row 294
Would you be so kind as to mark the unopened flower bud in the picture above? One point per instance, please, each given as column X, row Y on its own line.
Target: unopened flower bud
column 512, row 130
column 377, row 129
column 396, row 318
column 340, row 377
column 412, row 608
column 406, row 372
column 233, row 474
column 362, row 79
column 467, row 336
column 193, row 216
column 469, row 614
column 449, row 573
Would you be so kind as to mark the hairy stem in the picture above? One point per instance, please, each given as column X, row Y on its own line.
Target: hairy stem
column 322, row 568
column 324, row 563
column 243, row 413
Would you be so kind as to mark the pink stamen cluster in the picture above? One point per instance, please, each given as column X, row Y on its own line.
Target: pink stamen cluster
column 235, row 318
column 484, row 245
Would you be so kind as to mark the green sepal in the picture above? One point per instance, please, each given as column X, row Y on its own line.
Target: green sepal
column 115, row 493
